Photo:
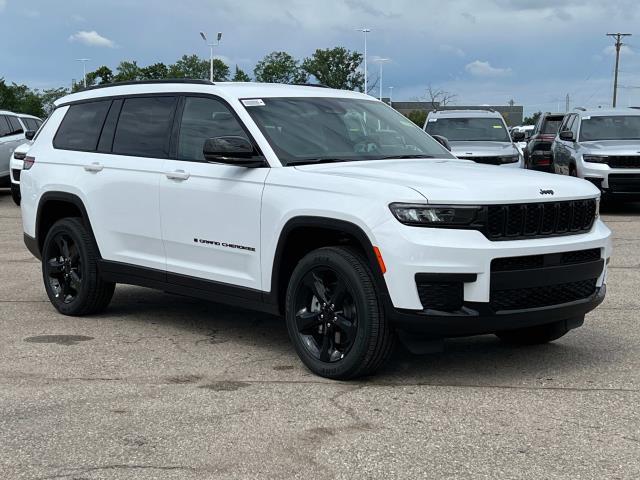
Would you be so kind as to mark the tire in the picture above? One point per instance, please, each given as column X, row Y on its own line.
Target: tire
column 70, row 270
column 15, row 193
column 572, row 171
column 535, row 335
column 357, row 338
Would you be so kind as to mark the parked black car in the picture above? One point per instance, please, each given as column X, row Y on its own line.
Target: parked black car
column 537, row 153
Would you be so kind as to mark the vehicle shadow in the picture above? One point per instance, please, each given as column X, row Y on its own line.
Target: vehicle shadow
column 616, row 206
column 471, row 361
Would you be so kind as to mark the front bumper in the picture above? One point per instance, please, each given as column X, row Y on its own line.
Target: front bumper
column 618, row 181
column 479, row 318
column 408, row 251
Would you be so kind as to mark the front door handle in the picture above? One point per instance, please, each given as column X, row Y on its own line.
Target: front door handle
column 180, row 175
column 94, row 167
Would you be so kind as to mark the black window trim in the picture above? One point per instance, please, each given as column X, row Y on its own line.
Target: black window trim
column 175, row 130
column 84, row 150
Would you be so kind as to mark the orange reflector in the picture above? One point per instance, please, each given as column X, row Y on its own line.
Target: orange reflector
column 383, row 267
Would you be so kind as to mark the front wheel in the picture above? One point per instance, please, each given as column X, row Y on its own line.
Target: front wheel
column 334, row 315
column 70, row 270
column 15, row 193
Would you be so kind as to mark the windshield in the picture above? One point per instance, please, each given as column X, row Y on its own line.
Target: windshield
column 314, row 130
column 469, row 129
column 551, row 125
column 615, row 127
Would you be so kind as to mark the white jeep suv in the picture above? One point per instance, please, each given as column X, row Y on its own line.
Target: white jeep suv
column 326, row 206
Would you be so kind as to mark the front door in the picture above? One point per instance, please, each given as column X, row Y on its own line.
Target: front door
column 210, row 212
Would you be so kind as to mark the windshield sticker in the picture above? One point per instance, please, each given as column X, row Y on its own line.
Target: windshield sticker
column 588, row 117
column 433, row 120
column 253, row 102
column 497, row 126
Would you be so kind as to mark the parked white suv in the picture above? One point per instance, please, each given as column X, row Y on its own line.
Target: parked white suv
column 478, row 135
column 326, row 206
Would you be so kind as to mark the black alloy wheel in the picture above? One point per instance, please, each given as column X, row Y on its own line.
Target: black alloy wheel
column 63, row 268
column 326, row 314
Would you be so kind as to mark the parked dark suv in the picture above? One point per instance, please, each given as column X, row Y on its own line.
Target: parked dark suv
column 537, row 153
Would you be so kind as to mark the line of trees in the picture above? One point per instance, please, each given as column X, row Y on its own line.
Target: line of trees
column 335, row 67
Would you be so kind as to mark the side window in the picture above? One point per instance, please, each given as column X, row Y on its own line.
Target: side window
column 81, row 126
column 16, row 126
column 144, row 127
column 566, row 125
column 4, row 126
column 204, row 118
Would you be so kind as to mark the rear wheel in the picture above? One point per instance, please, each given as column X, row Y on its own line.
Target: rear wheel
column 15, row 193
column 535, row 335
column 70, row 270
column 334, row 315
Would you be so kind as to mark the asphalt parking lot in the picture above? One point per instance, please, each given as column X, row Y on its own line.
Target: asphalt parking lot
column 166, row 387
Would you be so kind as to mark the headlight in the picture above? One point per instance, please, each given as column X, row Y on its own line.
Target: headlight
column 595, row 158
column 435, row 215
column 510, row 159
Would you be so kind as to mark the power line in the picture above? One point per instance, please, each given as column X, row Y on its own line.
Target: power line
column 618, row 37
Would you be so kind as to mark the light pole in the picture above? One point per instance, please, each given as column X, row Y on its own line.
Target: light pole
column 211, row 45
column 391, row 96
column 84, row 69
column 381, row 61
column 365, row 31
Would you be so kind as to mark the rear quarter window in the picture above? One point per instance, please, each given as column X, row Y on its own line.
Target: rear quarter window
column 81, row 126
column 5, row 129
column 15, row 125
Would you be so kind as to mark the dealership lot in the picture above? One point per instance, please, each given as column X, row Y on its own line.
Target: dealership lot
column 162, row 386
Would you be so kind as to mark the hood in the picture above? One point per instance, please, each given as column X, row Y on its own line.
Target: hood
column 612, row 147
column 482, row 149
column 460, row 181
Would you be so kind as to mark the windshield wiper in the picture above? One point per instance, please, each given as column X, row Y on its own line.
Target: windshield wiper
column 404, row 157
column 313, row 161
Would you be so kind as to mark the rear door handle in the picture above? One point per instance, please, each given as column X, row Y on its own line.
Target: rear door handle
column 94, row 167
column 180, row 175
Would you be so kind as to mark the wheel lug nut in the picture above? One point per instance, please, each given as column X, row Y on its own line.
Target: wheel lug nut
column 328, row 325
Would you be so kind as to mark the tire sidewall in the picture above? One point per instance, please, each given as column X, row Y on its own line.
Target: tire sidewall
column 367, row 317
column 70, row 228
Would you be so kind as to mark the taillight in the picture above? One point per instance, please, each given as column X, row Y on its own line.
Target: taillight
column 28, row 162
column 19, row 155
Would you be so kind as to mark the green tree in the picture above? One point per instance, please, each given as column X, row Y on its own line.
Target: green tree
column 279, row 67
column 190, row 66
column 48, row 96
column 532, row 120
column 20, row 98
column 105, row 75
column 157, row 71
column 127, row 71
column 336, row 68
column 240, row 76
column 418, row 117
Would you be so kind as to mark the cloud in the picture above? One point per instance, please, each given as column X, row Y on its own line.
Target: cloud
column 3, row 3
column 467, row 16
column 91, row 39
column 484, row 69
column 624, row 50
column 458, row 52
column 78, row 18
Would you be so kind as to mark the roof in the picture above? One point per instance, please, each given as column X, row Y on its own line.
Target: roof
column 26, row 115
column 227, row 90
column 465, row 113
column 6, row 112
column 607, row 111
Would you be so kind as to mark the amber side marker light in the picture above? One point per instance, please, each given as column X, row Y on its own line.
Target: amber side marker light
column 383, row 267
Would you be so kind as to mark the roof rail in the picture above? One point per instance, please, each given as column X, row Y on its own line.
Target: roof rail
column 319, row 85
column 150, row 82
column 582, row 109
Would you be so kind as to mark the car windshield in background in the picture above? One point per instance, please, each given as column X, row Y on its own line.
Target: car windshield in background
column 305, row 130
column 469, row 129
column 551, row 125
column 614, row 127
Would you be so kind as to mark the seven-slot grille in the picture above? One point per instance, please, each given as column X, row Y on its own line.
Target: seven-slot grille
column 510, row 222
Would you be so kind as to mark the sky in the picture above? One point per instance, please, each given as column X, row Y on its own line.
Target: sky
column 484, row 51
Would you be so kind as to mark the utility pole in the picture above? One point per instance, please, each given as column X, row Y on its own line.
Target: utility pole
column 84, row 69
column 566, row 103
column 619, row 44
column 365, row 31
column 211, row 45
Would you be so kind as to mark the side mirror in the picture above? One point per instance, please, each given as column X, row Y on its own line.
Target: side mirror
column 444, row 141
column 29, row 134
column 232, row 150
column 567, row 136
column 518, row 136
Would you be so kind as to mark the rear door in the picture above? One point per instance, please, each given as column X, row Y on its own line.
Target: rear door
column 6, row 145
column 119, row 146
column 210, row 211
